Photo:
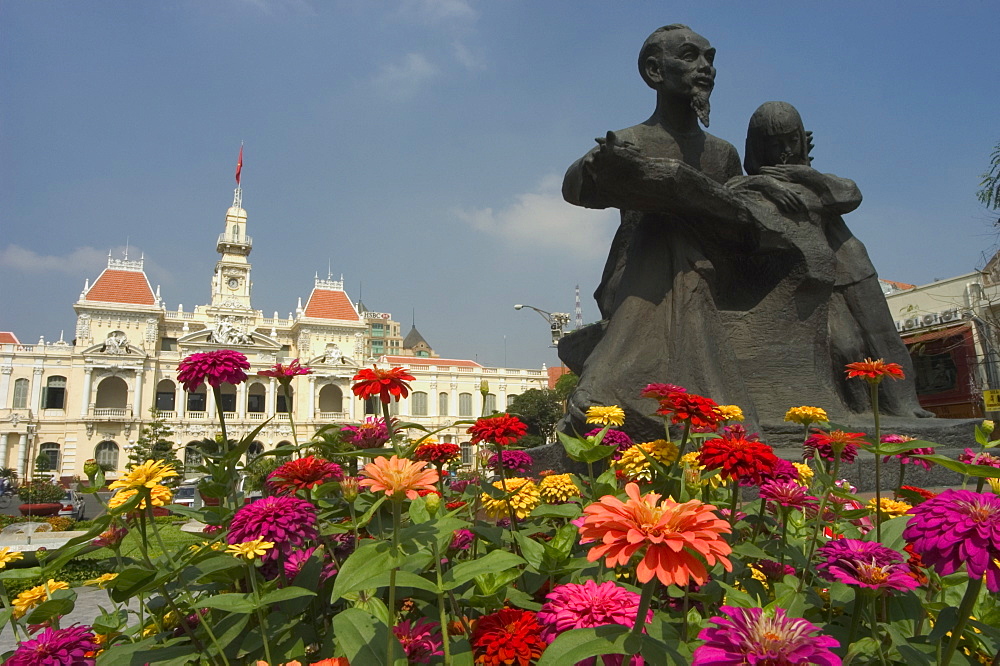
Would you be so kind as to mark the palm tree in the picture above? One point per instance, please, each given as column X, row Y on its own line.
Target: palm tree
column 989, row 187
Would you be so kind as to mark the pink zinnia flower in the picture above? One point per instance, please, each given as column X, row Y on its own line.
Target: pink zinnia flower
column 958, row 527
column 787, row 493
column 660, row 391
column 865, row 564
column 461, row 540
column 57, row 647
column 421, row 640
column 284, row 373
column 576, row 606
column 749, row 636
column 517, row 461
column 775, row 570
column 904, row 458
column 970, row 457
column 369, row 434
column 615, row 438
column 215, row 367
column 825, row 444
column 287, row 522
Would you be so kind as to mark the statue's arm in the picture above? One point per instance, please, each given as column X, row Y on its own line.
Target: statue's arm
column 839, row 195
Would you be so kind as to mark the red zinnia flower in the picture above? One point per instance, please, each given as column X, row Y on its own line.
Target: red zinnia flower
column 660, row 391
column 437, row 453
column 700, row 411
column 826, row 444
column 215, row 367
column 739, row 457
column 284, row 373
column 386, row 384
column 509, row 636
column 304, row 473
column 501, row 430
column 874, row 371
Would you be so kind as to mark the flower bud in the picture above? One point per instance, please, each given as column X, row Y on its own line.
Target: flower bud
column 349, row 488
column 433, row 501
column 484, row 387
column 988, row 427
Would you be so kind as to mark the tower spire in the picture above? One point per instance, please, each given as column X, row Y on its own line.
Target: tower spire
column 238, row 192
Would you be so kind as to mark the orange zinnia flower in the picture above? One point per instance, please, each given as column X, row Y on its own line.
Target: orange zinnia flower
column 874, row 371
column 673, row 535
column 386, row 384
column 398, row 477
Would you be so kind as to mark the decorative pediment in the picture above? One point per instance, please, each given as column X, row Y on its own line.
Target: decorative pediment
column 333, row 357
column 117, row 345
column 212, row 338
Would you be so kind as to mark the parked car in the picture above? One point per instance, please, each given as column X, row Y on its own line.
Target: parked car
column 74, row 506
column 185, row 495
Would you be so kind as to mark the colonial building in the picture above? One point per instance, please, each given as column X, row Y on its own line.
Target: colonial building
column 90, row 398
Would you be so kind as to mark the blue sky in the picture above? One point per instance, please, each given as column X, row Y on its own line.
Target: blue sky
column 418, row 145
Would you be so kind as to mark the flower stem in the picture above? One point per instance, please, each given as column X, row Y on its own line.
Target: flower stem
column 644, row 601
column 860, row 601
column 390, row 430
column 390, row 643
column 964, row 612
column 442, row 612
column 252, row 575
column 878, row 464
column 733, row 502
column 820, row 513
column 286, row 389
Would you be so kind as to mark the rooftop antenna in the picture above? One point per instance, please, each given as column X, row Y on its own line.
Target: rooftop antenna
column 238, row 192
column 579, row 310
column 126, row 248
column 414, row 315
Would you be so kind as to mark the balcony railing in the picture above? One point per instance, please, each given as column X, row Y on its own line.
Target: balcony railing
column 197, row 415
column 256, row 416
column 229, row 416
column 167, row 415
column 332, row 416
column 113, row 412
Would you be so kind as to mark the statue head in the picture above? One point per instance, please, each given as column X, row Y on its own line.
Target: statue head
column 677, row 63
column 775, row 136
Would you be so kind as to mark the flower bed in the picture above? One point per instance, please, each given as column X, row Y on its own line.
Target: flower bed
column 661, row 558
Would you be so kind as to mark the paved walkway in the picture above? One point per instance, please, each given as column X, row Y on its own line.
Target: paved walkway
column 87, row 601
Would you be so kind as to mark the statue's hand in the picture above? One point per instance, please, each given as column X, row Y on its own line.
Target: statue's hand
column 786, row 200
column 615, row 156
column 789, row 173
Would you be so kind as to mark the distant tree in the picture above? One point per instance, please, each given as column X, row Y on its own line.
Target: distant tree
column 540, row 409
column 154, row 444
column 989, row 186
column 566, row 384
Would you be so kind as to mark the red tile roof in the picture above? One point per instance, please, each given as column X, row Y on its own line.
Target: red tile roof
column 8, row 338
column 425, row 360
column 330, row 304
column 117, row 286
column 899, row 285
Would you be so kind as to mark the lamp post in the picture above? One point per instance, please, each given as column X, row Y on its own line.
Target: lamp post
column 556, row 321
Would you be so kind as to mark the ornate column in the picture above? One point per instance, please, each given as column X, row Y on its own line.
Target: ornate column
column 22, row 456
column 272, row 397
column 88, row 381
column 137, row 410
column 5, row 373
column 3, row 448
column 210, row 410
column 182, row 404
column 312, row 396
column 241, row 400
column 351, row 403
column 36, row 391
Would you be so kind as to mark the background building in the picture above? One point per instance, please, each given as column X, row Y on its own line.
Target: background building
column 90, row 397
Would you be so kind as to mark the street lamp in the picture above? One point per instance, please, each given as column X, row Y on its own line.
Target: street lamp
column 556, row 321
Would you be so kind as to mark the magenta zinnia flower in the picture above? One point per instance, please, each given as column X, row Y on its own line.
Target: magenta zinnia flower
column 775, row 570
column 659, row 391
column 787, row 493
column 576, row 606
column 749, row 636
column 369, row 434
column 461, row 540
column 866, row 564
column 57, row 647
column 288, row 522
column 825, row 445
column 970, row 457
column 421, row 640
column 517, row 461
column 958, row 527
column 615, row 438
column 215, row 367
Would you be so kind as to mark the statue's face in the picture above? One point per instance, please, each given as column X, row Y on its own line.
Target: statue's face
column 783, row 148
column 684, row 67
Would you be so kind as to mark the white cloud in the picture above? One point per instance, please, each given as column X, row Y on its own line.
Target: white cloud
column 86, row 261
column 403, row 79
column 438, row 10
column 467, row 58
column 542, row 220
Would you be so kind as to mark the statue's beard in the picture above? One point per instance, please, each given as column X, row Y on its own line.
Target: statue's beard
column 701, row 105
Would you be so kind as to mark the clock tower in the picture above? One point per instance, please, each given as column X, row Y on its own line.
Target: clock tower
column 231, row 282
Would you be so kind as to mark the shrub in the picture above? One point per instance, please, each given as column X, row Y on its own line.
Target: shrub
column 59, row 523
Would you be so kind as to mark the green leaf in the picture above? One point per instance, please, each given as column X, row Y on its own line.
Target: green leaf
column 984, row 471
column 232, row 602
column 491, row 583
column 363, row 566
column 51, row 608
column 531, row 550
column 21, row 574
column 362, row 639
column 576, row 645
column 496, row 561
column 570, row 510
column 130, row 583
column 286, row 594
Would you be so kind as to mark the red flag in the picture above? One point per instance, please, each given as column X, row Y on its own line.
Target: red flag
column 239, row 166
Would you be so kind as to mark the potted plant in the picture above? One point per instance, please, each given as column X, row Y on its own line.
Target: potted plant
column 41, row 498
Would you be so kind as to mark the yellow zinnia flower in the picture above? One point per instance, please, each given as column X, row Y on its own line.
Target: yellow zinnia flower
column 890, row 507
column 806, row 415
column 731, row 413
column 102, row 580
column 635, row 465
column 613, row 415
column 250, row 549
column 557, row 488
column 805, row 473
column 160, row 495
column 30, row 598
column 148, row 474
column 8, row 555
column 523, row 501
column 994, row 486
column 693, row 469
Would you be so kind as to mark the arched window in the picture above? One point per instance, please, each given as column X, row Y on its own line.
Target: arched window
column 442, row 404
column 255, row 449
column 490, row 405
column 284, row 442
column 510, row 399
column 256, row 398
column 166, row 395
column 54, row 396
column 106, row 455
column 51, row 451
column 192, row 454
column 419, row 403
column 112, row 392
column 197, row 402
column 227, row 399
column 285, row 401
column 372, row 406
column 466, row 453
column 465, row 404
column 331, row 399
column 20, row 394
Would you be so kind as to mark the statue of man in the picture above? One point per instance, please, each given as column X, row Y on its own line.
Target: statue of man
column 680, row 230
